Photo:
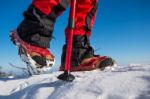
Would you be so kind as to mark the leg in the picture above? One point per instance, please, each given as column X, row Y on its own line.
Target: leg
column 83, row 57
column 38, row 25
column 35, row 31
column 85, row 17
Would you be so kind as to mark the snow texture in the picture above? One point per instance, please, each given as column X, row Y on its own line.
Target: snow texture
column 130, row 82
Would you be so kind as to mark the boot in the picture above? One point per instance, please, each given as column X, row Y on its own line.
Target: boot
column 83, row 57
column 36, row 57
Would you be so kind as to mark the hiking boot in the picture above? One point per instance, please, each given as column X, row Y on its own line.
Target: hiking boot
column 83, row 57
column 35, row 56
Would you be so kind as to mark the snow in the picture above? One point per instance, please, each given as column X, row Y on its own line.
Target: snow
column 124, row 82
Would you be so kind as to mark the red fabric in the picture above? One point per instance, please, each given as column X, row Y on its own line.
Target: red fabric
column 45, row 6
column 83, row 8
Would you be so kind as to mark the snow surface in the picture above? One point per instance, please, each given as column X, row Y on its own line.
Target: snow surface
column 130, row 82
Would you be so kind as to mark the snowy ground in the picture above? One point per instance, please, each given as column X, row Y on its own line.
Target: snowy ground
column 132, row 82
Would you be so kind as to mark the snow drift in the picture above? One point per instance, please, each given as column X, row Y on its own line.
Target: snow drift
column 131, row 82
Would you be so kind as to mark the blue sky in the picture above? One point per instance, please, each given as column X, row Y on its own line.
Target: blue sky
column 121, row 30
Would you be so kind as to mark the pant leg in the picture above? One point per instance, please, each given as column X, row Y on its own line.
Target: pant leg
column 39, row 20
column 84, row 20
column 85, row 17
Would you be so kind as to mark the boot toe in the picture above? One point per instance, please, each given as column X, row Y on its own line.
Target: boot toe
column 105, row 63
